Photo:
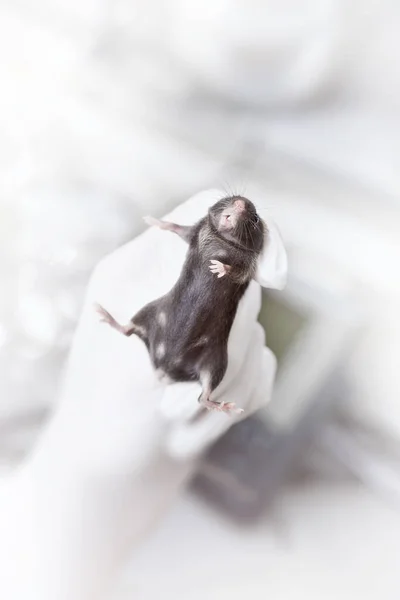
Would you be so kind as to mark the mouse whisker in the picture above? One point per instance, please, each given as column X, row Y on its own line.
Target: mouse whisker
column 251, row 233
column 240, row 230
column 246, row 228
column 228, row 190
column 267, row 206
column 243, row 186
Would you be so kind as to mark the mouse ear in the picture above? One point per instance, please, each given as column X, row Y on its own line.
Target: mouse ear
column 272, row 268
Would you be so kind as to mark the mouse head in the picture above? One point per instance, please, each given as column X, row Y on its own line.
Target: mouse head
column 236, row 219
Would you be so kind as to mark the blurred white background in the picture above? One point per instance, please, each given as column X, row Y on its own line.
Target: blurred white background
column 110, row 110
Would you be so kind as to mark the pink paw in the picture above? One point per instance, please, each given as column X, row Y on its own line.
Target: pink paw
column 218, row 268
column 227, row 407
column 231, row 407
column 104, row 315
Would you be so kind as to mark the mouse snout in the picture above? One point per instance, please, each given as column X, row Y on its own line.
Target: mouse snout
column 234, row 212
column 239, row 205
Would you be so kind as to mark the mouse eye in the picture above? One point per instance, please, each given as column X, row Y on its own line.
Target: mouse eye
column 256, row 219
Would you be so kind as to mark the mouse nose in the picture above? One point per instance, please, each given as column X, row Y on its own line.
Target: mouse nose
column 239, row 205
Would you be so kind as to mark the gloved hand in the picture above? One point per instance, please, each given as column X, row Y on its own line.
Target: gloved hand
column 120, row 445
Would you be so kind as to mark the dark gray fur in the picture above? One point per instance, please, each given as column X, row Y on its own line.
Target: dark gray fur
column 186, row 331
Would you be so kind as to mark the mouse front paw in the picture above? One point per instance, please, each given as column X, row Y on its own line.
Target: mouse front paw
column 218, row 268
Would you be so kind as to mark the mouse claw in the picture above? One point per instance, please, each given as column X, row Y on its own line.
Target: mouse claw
column 218, row 268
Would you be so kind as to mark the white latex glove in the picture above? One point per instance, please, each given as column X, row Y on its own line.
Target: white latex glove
column 120, row 445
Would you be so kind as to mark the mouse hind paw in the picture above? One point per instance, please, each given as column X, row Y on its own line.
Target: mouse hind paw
column 226, row 407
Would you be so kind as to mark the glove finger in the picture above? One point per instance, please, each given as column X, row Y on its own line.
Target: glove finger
column 264, row 386
column 180, row 402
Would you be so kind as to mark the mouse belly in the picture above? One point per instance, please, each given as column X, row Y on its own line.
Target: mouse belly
column 181, row 361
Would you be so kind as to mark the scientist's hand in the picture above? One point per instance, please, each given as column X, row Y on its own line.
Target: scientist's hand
column 120, row 445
